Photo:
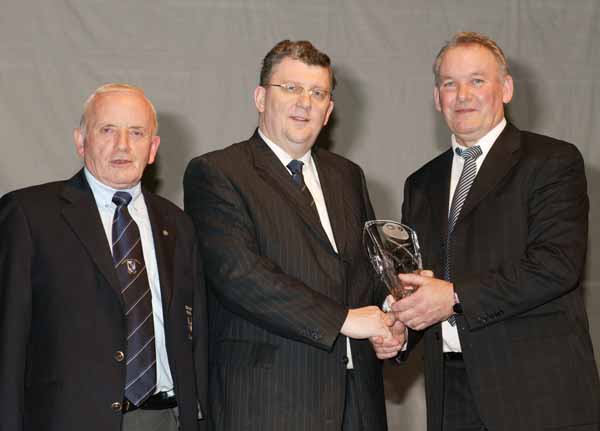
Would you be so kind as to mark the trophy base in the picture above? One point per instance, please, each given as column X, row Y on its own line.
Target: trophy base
column 400, row 292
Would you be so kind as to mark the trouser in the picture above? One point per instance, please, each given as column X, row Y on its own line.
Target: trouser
column 151, row 420
column 352, row 418
column 460, row 411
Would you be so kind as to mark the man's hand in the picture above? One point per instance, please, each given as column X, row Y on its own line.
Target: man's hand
column 389, row 347
column 367, row 322
column 431, row 303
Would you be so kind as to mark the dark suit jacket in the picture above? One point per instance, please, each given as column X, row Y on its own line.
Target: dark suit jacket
column 518, row 251
column 279, row 293
column 61, row 316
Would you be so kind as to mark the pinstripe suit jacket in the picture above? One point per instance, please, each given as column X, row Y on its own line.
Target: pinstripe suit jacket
column 518, row 252
column 279, row 293
column 61, row 314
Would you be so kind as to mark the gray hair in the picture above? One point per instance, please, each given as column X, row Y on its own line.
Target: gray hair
column 108, row 88
column 471, row 38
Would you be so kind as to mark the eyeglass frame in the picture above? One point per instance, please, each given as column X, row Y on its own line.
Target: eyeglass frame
column 311, row 92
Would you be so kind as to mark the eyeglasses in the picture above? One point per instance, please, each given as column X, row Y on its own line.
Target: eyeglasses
column 317, row 94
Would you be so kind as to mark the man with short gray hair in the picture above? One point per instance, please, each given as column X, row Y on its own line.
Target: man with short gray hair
column 502, row 218
column 100, row 287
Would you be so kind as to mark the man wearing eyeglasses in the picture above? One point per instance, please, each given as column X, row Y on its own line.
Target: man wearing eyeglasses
column 279, row 222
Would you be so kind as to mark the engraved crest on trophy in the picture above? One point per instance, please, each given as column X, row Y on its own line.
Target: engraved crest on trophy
column 393, row 249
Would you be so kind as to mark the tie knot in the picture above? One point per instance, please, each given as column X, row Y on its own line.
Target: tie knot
column 295, row 166
column 121, row 199
column 470, row 153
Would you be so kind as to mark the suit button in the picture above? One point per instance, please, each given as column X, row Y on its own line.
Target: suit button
column 345, row 360
column 116, row 406
column 119, row 356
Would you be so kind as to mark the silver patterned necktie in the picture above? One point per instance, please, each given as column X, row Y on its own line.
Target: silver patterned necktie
column 128, row 259
column 467, row 176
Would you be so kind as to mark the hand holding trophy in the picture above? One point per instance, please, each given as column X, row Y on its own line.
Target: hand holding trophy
column 393, row 249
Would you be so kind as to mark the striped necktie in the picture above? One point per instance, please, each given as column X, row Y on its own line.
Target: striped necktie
column 129, row 263
column 467, row 176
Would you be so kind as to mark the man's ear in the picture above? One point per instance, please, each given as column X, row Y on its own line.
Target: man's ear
column 79, row 140
column 436, row 98
column 259, row 98
column 508, row 87
column 329, row 111
column 153, row 149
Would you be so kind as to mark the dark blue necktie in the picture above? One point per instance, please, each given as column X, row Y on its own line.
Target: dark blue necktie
column 295, row 167
column 128, row 258
column 467, row 176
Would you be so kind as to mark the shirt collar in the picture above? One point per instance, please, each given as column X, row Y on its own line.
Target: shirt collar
column 282, row 155
column 103, row 194
column 486, row 142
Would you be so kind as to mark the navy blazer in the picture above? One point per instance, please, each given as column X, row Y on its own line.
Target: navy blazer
column 61, row 316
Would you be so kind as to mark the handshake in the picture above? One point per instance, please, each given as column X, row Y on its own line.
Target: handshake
column 432, row 302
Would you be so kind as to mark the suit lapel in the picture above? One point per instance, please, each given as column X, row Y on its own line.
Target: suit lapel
column 81, row 214
column 270, row 168
column 502, row 157
column 163, row 233
column 439, row 195
column 334, row 195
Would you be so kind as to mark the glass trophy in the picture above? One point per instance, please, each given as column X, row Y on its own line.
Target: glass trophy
column 393, row 249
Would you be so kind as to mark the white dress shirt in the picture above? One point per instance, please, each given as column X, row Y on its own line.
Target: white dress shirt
column 449, row 332
column 103, row 195
column 311, row 179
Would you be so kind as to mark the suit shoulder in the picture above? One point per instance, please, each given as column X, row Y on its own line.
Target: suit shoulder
column 233, row 153
column 36, row 196
column 38, row 189
column 431, row 167
column 340, row 161
column 231, row 162
column 538, row 145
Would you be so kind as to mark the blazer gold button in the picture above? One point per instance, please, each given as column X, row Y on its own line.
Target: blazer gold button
column 116, row 406
column 165, row 232
column 119, row 356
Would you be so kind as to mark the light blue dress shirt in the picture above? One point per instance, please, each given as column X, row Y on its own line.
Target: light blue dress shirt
column 103, row 195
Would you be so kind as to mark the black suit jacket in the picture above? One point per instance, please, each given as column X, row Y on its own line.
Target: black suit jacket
column 61, row 316
column 279, row 293
column 518, row 251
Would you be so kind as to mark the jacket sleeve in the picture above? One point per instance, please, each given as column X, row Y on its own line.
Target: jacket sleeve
column 15, row 310
column 553, row 259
